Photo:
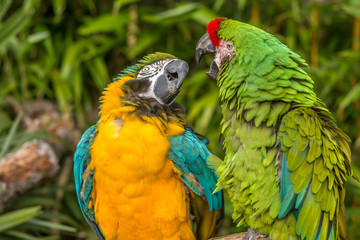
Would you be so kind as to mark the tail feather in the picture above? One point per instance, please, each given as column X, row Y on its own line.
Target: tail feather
column 205, row 219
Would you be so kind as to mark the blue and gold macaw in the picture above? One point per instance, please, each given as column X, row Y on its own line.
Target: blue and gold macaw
column 141, row 172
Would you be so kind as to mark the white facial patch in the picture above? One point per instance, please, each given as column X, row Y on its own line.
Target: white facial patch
column 225, row 49
column 153, row 69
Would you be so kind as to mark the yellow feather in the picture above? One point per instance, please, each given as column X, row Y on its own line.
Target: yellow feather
column 136, row 190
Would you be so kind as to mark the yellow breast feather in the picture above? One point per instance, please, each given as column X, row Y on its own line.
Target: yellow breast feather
column 143, row 197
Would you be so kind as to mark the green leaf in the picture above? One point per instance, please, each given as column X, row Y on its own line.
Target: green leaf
column 59, row 7
column 37, row 37
column 4, row 6
column 69, row 200
column 10, row 136
column 5, row 121
column 72, row 59
column 26, row 201
column 63, row 93
column 204, row 15
column 20, row 235
column 350, row 97
column 62, row 217
column 104, row 23
column 144, row 43
column 352, row 9
column 118, row 4
column 77, row 84
column 51, row 225
column 14, row 218
column 98, row 72
column 50, row 237
column 173, row 13
column 14, row 24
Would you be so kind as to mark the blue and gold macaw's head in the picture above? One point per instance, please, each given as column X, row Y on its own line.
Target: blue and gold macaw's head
column 147, row 89
column 158, row 76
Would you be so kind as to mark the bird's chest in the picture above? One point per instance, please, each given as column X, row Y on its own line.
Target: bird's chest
column 129, row 156
column 249, row 149
column 135, row 183
column 249, row 172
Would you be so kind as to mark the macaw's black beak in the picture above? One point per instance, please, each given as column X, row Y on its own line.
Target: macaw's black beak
column 168, row 85
column 203, row 47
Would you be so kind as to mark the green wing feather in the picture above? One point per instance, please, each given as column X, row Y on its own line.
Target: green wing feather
column 280, row 141
column 315, row 161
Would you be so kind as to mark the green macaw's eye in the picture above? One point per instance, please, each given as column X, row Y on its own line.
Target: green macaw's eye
column 229, row 46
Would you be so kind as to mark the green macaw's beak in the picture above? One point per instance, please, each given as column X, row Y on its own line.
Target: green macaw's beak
column 203, row 47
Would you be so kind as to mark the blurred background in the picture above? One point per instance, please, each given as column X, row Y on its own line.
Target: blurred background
column 57, row 56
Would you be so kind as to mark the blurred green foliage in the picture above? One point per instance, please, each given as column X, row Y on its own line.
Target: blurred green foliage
column 67, row 51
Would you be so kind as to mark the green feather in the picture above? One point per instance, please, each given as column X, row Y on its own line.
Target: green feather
column 310, row 210
column 323, row 192
column 295, row 157
column 270, row 156
column 316, row 184
column 301, row 142
column 314, row 151
column 262, row 113
column 323, row 175
column 287, row 142
column 213, row 162
column 331, row 179
column 292, row 132
column 250, row 114
column 270, row 110
column 324, row 226
column 327, row 200
column 275, row 206
column 302, row 177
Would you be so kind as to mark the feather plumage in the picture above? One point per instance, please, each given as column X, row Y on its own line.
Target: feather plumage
column 279, row 132
column 137, row 171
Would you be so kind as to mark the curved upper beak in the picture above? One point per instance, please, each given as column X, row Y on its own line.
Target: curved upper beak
column 203, row 47
column 176, row 71
column 167, row 85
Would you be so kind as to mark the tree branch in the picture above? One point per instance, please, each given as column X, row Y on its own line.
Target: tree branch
column 241, row 236
column 25, row 168
column 36, row 160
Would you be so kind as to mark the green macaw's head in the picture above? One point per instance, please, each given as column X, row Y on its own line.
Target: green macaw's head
column 158, row 76
column 240, row 44
column 254, row 63
column 213, row 42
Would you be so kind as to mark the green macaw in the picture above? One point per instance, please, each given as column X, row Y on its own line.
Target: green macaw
column 286, row 160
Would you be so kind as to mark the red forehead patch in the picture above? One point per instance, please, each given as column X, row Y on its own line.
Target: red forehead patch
column 212, row 28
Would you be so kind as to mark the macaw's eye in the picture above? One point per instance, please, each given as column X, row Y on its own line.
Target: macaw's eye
column 152, row 69
column 145, row 69
column 229, row 46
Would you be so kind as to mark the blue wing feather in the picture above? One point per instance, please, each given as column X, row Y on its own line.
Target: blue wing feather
column 84, row 177
column 189, row 155
column 292, row 202
column 288, row 197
